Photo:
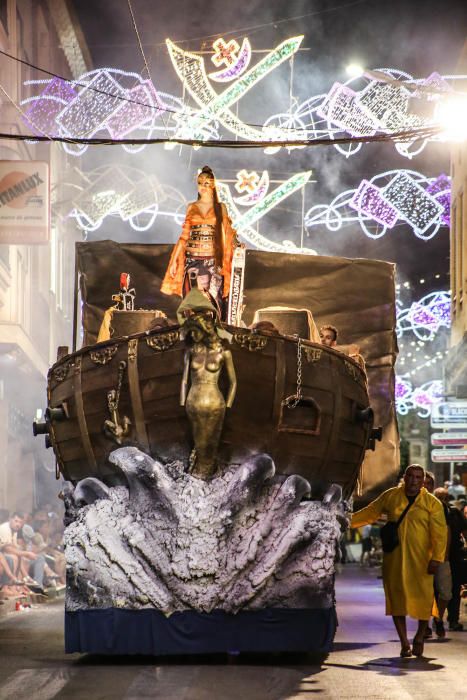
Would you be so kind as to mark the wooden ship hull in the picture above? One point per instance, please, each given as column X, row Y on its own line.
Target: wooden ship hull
column 323, row 438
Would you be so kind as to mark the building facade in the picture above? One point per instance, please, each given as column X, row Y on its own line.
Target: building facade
column 456, row 365
column 36, row 281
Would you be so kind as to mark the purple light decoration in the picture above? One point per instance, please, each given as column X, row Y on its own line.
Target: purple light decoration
column 402, row 389
column 238, row 68
column 368, row 199
column 129, row 116
column 419, row 398
column 40, row 117
column 442, row 185
column 422, row 316
column 341, row 108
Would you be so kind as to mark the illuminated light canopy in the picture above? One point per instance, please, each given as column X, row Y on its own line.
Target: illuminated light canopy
column 387, row 199
column 378, row 106
column 121, row 102
column 103, row 196
column 105, row 99
column 421, row 399
column 234, row 70
column 112, row 191
column 425, row 317
column 191, row 71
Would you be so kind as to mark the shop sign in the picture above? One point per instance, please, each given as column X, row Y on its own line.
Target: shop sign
column 449, row 438
column 449, row 414
column 24, row 202
column 452, row 454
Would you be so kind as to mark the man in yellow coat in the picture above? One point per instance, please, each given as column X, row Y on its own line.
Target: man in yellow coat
column 408, row 570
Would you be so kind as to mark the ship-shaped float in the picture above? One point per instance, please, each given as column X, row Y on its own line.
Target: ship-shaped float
column 173, row 547
column 126, row 391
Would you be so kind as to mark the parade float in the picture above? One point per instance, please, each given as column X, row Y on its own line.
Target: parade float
column 204, row 507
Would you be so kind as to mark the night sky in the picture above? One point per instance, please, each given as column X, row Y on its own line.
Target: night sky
column 417, row 37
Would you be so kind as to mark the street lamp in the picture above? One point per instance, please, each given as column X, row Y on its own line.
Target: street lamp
column 451, row 114
column 355, row 70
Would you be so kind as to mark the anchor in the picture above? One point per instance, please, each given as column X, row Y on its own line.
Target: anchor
column 113, row 428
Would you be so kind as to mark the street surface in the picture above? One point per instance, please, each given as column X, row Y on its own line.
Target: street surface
column 365, row 662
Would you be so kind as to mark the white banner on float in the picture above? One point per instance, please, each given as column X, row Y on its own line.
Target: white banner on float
column 24, row 202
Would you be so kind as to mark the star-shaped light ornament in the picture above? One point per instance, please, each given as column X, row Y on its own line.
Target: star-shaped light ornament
column 225, row 52
column 246, row 181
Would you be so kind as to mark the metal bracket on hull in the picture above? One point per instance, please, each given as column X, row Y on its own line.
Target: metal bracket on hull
column 162, row 342
column 101, row 357
column 251, row 342
column 61, row 372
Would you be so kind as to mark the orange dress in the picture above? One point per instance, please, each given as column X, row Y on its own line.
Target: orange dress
column 193, row 220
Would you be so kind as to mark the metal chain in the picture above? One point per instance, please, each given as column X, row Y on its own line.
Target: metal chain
column 293, row 400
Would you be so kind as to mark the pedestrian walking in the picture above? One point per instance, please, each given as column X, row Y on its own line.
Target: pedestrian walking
column 414, row 544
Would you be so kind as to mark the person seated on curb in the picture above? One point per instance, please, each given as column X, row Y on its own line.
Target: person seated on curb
column 28, row 562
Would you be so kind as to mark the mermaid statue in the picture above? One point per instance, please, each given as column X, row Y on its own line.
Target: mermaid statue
column 205, row 357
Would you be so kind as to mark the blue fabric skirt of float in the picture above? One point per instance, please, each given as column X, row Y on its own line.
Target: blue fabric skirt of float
column 149, row 632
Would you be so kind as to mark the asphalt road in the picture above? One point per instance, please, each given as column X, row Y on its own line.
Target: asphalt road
column 365, row 662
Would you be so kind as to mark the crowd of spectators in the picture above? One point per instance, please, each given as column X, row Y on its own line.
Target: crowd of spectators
column 31, row 552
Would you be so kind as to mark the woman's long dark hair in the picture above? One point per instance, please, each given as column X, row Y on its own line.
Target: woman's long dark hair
column 218, row 237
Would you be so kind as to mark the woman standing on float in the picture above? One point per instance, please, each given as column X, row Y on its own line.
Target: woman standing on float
column 205, row 247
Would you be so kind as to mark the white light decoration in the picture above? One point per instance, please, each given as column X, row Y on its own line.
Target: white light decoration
column 134, row 196
column 389, row 198
column 105, row 100
column 191, row 70
column 122, row 103
column 255, row 186
column 111, row 191
column 374, row 101
column 243, row 222
column 425, row 317
column 421, row 399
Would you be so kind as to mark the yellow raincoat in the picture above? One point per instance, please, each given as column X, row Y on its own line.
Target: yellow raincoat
column 422, row 537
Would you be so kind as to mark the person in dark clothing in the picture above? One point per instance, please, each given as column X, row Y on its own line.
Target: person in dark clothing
column 458, row 528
